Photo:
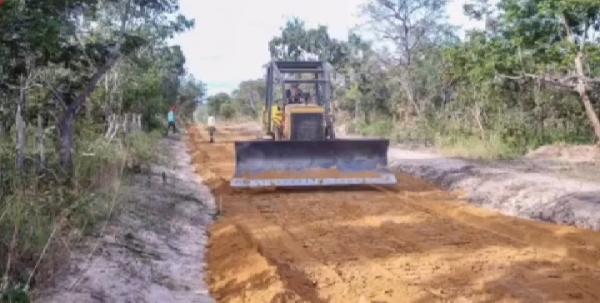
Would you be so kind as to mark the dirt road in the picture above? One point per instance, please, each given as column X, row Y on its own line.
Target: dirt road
column 413, row 243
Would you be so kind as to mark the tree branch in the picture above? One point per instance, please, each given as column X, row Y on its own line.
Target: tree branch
column 569, row 82
column 93, row 82
column 112, row 60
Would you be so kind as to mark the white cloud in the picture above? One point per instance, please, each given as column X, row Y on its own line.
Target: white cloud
column 229, row 43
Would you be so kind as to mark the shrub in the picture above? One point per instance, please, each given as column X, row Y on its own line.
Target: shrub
column 383, row 128
column 474, row 147
column 44, row 204
column 141, row 147
column 227, row 110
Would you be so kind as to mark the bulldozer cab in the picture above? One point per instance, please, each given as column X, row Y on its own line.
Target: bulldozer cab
column 299, row 101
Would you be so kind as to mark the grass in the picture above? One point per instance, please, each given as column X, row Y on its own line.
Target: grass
column 473, row 147
column 43, row 215
column 141, row 147
column 505, row 140
column 380, row 128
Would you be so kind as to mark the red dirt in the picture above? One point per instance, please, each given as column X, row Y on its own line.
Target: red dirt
column 413, row 243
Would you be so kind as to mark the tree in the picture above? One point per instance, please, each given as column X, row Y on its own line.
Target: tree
column 227, row 110
column 75, row 44
column 87, row 58
column 412, row 27
column 191, row 93
column 297, row 43
column 216, row 102
column 29, row 35
column 556, row 46
column 151, row 80
column 249, row 97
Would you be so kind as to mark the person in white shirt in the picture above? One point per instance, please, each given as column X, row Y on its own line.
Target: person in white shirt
column 211, row 125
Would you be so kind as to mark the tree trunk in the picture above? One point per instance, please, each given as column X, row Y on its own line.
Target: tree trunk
column 582, row 90
column 357, row 109
column 40, row 144
column 3, row 131
column 582, row 86
column 589, row 110
column 139, row 122
column 477, row 115
column 111, row 126
column 66, row 123
column 408, row 89
column 21, row 128
column 66, row 134
column 253, row 100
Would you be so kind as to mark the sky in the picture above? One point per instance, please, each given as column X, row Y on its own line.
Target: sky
column 229, row 43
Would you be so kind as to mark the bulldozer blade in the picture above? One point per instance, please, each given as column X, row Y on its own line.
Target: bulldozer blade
column 311, row 163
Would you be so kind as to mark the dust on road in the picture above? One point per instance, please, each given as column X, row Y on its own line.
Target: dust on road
column 412, row 243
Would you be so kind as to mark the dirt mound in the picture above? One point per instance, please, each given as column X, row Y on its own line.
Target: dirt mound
column 567, row 194
column 567, row 153
column 413, row 243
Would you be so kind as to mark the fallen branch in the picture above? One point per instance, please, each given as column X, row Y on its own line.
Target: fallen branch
column 569, row 82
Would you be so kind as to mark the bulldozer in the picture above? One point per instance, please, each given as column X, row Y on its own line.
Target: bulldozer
column 300, row 148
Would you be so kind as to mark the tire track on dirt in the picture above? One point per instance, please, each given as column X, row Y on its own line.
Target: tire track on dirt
column 582, row 243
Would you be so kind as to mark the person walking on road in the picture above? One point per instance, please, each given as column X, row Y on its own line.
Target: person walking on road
column 171, row 120
column 211, row 125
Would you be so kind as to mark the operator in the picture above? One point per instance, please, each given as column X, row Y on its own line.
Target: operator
column 296, row 95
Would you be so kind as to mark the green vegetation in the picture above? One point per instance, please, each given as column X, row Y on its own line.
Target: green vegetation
column 84, row 90
column 246, row 101
column 219, row 105
column 531, row 77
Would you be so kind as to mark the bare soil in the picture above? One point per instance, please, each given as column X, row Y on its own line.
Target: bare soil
column 572, row 161
column 537, row 187
column 152, row 249
column 589, row 154
column 412, row 243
